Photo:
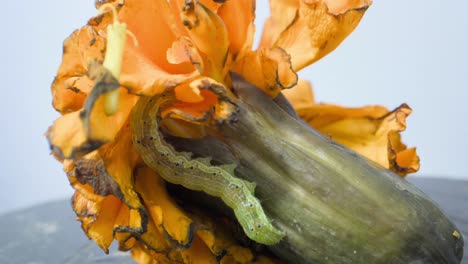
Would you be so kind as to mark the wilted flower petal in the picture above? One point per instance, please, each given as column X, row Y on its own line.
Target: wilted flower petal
column 269, row 69
column 238, row 17
column 71, row 85
column 372, row 131
column 310, row 29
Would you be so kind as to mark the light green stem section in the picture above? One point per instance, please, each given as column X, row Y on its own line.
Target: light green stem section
column 116, row 39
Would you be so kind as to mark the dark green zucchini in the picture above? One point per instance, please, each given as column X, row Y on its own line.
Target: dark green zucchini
column 335, row 205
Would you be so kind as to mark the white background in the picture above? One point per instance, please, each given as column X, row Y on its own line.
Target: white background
column 403, row 51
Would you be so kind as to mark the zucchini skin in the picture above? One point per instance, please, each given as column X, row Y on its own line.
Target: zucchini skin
column 335, row 205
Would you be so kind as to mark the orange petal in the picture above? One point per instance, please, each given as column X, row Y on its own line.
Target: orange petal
column 338, row 7
column 102, row 214
column 212, row 5
column 154, row 239
column 163, row 210
column 215, row 104
column 142, row 76
column 209, row 34
column 129, row 222
column 301, row 96
column 321, row 115
column 120, row 158
column 184, row 129
column 71, row 84
column 189, row 92
column 219, row 243
column 97, row 217
column 198, row 253
column 371, row 131
column 238, row 17
column 153, row 24
column 238, row 254
column 310, row 29
column 141, row 255
column 142, row 73
column 68, row 138
column 183, row 50
column 405, row 161
column 283, row 13
column 196, row 112
column 67, row 95
column 104, row 127
column 267, row 69
column 102, row 230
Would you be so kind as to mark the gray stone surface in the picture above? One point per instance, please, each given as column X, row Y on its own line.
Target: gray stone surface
column 48, row 233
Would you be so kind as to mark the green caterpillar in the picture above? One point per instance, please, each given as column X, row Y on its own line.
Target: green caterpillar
column 198, row 174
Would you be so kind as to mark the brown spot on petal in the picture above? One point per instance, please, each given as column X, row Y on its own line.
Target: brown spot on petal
column 92, row 171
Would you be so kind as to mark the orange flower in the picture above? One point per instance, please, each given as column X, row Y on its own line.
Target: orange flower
column 187, row 46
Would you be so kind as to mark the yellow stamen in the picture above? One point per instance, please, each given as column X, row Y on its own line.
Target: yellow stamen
column 133, row 37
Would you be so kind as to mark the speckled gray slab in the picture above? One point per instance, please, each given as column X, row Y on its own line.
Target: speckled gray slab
column 48, row 233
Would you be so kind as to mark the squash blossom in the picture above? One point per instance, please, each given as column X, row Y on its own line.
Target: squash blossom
column 333, row 204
